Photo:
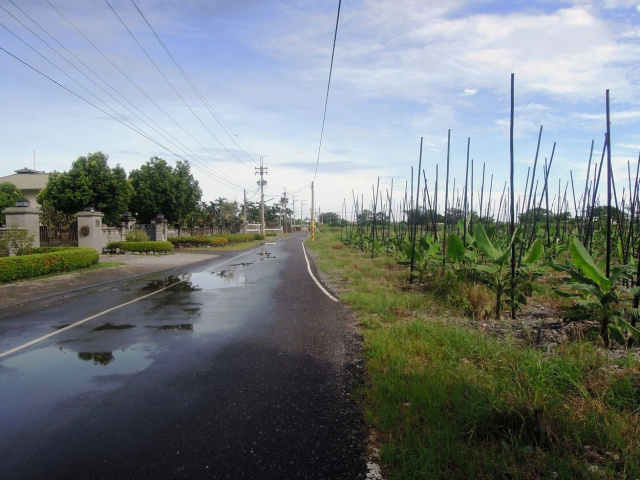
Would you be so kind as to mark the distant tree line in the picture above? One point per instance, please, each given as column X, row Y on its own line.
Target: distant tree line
column 156, row 187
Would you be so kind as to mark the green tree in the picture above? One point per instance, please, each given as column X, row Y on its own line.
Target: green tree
column 9, row 195
column 89, row 181
column 331, row 218
column 229, row 212
column 160, row 188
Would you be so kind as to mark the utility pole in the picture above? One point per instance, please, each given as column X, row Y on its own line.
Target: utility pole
column 263, row 171
column 284, row 204
column 313, row 216
column 293, row 198
column 302, row 202
column 244, row 212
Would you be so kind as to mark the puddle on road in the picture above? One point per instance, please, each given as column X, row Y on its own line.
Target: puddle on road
column 56, row 370
column 182, row 326
column 108, row 326
column 221, row 279
column 98, row 358
column 264, row 255
column 178, row 283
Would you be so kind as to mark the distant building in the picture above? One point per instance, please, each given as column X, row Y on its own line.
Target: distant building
column 30, row 182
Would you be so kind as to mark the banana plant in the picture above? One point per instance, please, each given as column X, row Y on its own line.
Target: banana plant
column 457, row 254
column 426, row 253
column 600, row 296
column 498, row 269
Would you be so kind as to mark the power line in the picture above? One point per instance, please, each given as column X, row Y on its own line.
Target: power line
column 174, row 141
column 117, row 119
column 171, row 84
column 326, row 101
column 213, row 113
column 132, row 82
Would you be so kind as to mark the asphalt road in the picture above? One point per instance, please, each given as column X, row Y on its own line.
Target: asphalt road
column 236, row 367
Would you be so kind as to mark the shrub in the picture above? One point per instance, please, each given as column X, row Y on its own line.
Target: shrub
column 17, row 239
column 219, row 241
column 29, row 266
column 271, row 234
column 136, row 236
column 258, row 236
column 37, row 250
column 214, row 240
column 141, row 246
column 241, row 237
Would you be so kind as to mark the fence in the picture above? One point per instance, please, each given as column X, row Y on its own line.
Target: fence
column 58, row 237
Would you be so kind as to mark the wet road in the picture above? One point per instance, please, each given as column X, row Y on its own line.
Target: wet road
column 239, row 367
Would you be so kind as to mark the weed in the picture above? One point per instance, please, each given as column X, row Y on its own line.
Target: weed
column 479, row 300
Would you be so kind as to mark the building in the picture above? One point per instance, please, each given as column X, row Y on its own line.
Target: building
column 30, row 182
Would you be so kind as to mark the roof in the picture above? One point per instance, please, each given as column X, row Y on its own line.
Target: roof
column 27, row 179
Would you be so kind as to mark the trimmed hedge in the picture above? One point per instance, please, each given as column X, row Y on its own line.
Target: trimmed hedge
column 36, row 250
column 159, row 247
column 215, row 240
column 29, row 266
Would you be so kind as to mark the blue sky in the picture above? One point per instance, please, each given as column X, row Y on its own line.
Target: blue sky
column 403, row 69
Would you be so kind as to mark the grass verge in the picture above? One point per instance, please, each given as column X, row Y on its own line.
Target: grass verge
column 444, row 399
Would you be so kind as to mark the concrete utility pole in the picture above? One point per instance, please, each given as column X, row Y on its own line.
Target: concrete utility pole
column 313, row 216
column 284, row 202
column 302, row 202
column 262, row 183
column 244, row 212
column 293, row 210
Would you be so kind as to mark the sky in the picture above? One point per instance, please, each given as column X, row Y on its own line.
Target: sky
column 252, row 82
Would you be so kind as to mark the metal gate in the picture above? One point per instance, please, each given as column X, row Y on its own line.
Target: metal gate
column 59, row 236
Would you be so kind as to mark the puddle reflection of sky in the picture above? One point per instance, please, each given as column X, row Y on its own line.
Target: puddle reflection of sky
column 37, row 380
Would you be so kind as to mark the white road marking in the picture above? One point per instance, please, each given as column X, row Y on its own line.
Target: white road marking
column 84, row 320
column 314, row 278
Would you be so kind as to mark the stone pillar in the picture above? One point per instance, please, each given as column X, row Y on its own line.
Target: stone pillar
column 159, row 229
column 27, row 218
column 90, row 231
column 127, row 223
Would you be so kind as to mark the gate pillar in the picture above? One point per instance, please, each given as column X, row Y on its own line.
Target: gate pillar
column 90, row 231
column 27, row 218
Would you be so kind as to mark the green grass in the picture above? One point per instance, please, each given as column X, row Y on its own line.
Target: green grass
column 447, row 400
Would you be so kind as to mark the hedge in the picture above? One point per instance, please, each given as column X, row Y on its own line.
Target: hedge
column 215, row 240
column 29, row 266
column 36, row 250
column 140, row 246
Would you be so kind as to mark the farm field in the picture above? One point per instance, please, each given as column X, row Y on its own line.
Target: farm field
column 453, row 390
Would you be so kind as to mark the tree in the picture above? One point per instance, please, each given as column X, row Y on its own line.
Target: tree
column 160, row 188
column 9, row 195
column 331, row 218
column 89, row 181
column 206, row 214
column 229, row 212
column 253, row 212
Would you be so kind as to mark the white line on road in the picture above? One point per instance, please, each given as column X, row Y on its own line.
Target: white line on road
column 314, row 278
column 84, row 320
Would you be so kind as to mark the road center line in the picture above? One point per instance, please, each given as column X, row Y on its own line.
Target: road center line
column 314, row 278
column 84, row 320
